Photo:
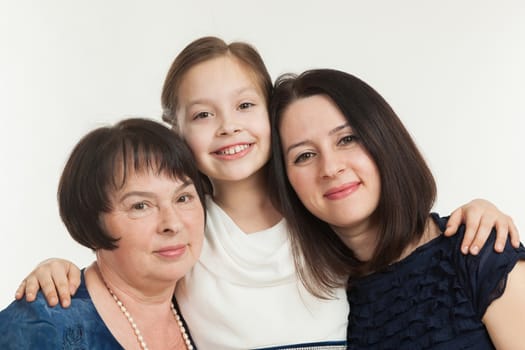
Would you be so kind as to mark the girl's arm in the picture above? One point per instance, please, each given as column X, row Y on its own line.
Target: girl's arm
column 52, row 276
column 479, row 217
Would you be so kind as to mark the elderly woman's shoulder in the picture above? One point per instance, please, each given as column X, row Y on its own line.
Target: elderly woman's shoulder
column 32, row 325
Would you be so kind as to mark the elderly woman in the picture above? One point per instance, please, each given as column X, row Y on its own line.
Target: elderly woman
column 132, row 194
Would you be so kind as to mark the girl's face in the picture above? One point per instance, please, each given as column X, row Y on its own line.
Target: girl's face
column 327, row 166
column 160, row 222
column 222, row 115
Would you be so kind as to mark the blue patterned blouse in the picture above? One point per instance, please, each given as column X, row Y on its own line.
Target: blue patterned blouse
column 37, row 326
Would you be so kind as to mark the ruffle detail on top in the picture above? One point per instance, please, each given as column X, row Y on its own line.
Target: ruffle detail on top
column 424, row 301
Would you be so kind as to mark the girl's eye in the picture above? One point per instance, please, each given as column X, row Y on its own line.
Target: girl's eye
column 303, row 157
column 202, row 115
column 347, row 139
column 246, row 105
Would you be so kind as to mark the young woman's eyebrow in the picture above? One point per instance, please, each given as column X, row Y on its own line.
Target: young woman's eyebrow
column 339, row 128
column 305, row 142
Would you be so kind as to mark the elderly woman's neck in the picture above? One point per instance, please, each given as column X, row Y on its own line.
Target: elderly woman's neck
column 134, row 288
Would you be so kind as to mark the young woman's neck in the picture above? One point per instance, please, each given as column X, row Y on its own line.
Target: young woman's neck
column 430, row 232
column 247, row 202
column 362, row 240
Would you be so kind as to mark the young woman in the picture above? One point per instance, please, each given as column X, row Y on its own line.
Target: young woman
column 355, row 189
column 132, row 194
column 244, row 292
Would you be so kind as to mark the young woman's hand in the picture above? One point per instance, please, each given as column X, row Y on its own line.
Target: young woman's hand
column 479, row 217
column 58, row 278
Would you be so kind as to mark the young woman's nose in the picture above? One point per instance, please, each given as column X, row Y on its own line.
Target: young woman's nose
column 332, row 164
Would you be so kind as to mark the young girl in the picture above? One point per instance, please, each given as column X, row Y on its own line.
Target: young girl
column 244, row 292
column 350, row 170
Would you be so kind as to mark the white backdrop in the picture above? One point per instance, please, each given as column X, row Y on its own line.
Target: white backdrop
column 453, row 70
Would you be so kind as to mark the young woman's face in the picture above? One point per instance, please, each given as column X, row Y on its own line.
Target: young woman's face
column 330, row 171
column 160, row 222
column 222, row 115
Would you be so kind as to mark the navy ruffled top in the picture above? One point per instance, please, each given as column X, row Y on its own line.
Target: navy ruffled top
column 35, row 325
column 433, row 299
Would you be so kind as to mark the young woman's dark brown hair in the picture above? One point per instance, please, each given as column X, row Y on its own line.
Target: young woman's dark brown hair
column 347, row 159
column 408, row 188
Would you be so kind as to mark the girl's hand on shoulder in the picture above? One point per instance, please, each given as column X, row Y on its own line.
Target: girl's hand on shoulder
column 58, row 278
column 479, row 217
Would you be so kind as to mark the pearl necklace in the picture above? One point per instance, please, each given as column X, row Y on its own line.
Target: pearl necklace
column 136, row 330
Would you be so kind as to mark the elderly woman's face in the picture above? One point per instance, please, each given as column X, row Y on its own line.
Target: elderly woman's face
column 160, row 222
column 331, row 172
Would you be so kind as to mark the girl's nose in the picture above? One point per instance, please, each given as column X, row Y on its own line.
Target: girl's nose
column 228, row 126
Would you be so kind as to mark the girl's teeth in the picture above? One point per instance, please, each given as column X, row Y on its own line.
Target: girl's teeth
column 233, row 150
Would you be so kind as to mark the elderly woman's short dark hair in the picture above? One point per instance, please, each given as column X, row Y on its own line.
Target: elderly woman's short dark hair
column 100, row 164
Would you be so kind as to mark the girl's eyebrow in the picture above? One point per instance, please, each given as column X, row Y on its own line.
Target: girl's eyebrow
column 239, row 91
column 247, row 88
column 305, row 142
column 198, row 101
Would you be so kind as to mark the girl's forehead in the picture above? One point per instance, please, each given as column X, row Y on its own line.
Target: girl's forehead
column 220, row 74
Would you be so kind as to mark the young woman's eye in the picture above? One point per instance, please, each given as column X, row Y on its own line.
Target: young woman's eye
column 246, row 105
column 202, row 115
column 347, row 139
column 303, row 157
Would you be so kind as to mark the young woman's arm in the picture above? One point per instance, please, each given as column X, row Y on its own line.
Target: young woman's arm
column 505, row 317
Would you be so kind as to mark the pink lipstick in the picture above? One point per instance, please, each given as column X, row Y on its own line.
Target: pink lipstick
column 172, row 252
column 342, row 191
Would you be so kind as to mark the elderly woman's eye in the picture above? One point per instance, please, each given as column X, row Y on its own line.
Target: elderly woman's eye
column 139, row 206
column 186, row 198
